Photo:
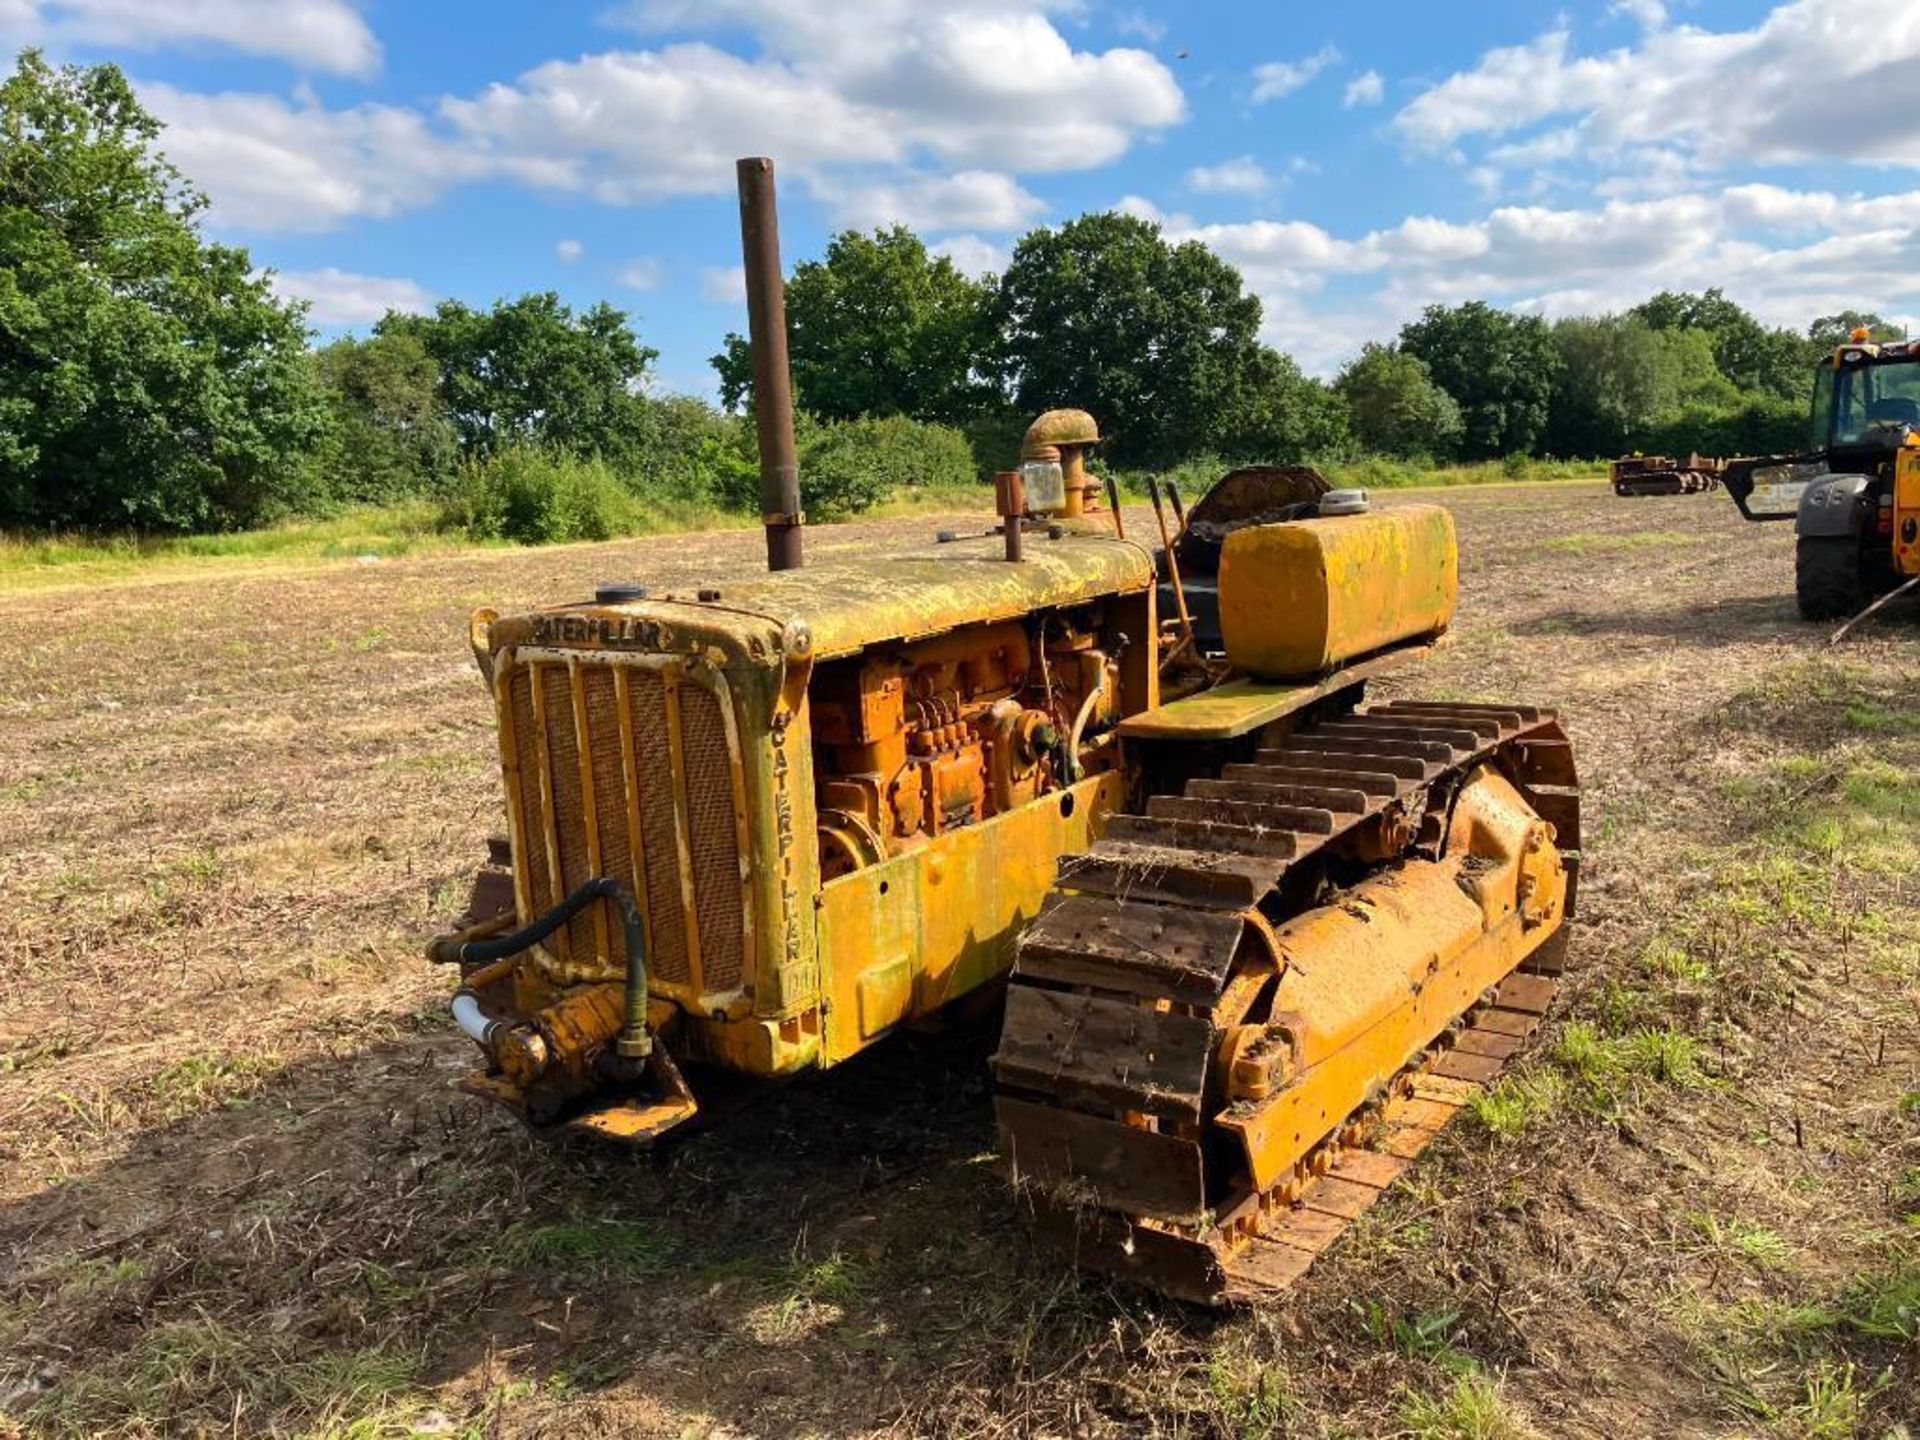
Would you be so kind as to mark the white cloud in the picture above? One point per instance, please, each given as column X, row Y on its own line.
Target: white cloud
column 649, row 125
column 270, row 165
column 1141, row 24
column 641, row 274
column 1720, row 99
column 328, row 35
column 724, row 284
column 1366, row 88
column 1241, row 176
column 340, row 297
column 971, row 254
column 1788, row 255
column 989, row 84
column 876, row 88
column 966, row 200
column 1279, row 78
column 568, row 251
column 1651, row 14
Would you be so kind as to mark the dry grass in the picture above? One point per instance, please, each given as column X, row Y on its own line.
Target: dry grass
column 237, row 1194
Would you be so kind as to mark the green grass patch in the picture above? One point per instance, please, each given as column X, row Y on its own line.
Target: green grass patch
column 1427, row 1335
column 1610, row 1074
column 1796, row 1364
column 196, row 1083
column 375, row 531
column 1830, row 1404
column 1732, row 1236
column 1471, row 1408
column 205, row 1377
column 1251, row 1398
column 1884, row 1304
column 1518, row 1101
column 1871, row 719
column 603, row 1249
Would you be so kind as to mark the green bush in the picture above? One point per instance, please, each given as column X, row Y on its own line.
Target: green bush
column 914, row 455
column 841, row 475
column 1762, row 426
column 848, row 466
column 994, row 438
column 541, row 497
column 703, row 457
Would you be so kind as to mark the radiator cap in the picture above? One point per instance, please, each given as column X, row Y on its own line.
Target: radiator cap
column 618, row 592
column 1344, row 502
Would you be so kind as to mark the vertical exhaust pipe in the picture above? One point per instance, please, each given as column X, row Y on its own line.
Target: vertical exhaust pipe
column 772, row 382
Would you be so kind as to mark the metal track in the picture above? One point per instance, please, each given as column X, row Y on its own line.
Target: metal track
column 1158, row 941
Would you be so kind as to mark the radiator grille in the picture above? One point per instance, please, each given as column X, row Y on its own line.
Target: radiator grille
column 609, row 799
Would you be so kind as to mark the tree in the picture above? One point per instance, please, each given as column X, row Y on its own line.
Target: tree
column 531, row 372
column 1831, row 331
column 1751, row 356
column 1394, row 407
column 1283, row 416
column 1498, row 367
column 392, row 433
column 877, row 327
column 1157, row 340
column 1618, row 379
column 148, row 378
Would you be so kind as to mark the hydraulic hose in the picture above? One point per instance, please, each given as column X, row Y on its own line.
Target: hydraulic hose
column 634, row 1041
column 1086, row 713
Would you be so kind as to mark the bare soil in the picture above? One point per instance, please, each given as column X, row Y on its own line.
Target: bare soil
column 238, row 1195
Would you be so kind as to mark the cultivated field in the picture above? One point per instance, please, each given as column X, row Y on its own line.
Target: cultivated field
column 237, row 1194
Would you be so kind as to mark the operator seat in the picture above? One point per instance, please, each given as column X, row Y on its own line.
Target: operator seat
column 1894, row 410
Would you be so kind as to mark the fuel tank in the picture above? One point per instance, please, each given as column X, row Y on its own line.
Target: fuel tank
column 1301, row 597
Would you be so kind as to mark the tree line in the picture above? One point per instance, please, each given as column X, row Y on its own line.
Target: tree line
column 152, row 380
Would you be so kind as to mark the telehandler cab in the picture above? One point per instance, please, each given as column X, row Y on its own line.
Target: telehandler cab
column 1854, row 493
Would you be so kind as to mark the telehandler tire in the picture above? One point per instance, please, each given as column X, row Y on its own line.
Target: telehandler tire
column 1826, row 577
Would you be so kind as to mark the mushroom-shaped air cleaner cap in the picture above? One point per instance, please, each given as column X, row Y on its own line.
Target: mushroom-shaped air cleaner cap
column 1058, row 428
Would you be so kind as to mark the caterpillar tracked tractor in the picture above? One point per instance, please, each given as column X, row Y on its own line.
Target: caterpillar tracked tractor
column 1258, row 941
column 1854, row 494
column 1637, row 475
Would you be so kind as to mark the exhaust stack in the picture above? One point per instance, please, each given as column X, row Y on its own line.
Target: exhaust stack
column 772, row 382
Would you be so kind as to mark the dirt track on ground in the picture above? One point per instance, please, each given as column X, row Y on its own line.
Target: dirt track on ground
column 237, row 1193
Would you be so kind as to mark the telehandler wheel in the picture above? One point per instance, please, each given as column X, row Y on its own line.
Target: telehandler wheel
column 1826, row 577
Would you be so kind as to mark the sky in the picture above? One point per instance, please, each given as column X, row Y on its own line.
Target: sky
column 1357, row 162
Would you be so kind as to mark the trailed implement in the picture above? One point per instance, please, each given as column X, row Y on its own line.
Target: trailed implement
column 1258, row 941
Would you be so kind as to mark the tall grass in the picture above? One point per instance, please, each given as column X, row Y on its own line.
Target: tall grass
column 1379, row 472
column 527, row 497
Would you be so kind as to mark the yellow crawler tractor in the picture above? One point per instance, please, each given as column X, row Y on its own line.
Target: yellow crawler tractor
column 1257, row 943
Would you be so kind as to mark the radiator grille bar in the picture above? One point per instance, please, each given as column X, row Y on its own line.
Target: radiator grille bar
column 630, row 767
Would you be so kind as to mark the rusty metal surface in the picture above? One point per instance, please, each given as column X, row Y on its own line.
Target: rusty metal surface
column 899, row 939
column 1053, row 429
column 638, row 774
column 772, row 380
column 1311, row 1105
column 1249, row 495
column 843, row 607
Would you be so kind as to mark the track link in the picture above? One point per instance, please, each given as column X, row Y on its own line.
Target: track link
column 1158, row 942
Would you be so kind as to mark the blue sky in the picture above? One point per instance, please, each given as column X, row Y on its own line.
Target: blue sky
column 1356, row 161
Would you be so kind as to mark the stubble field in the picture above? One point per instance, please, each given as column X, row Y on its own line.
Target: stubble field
column 238, row 1195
